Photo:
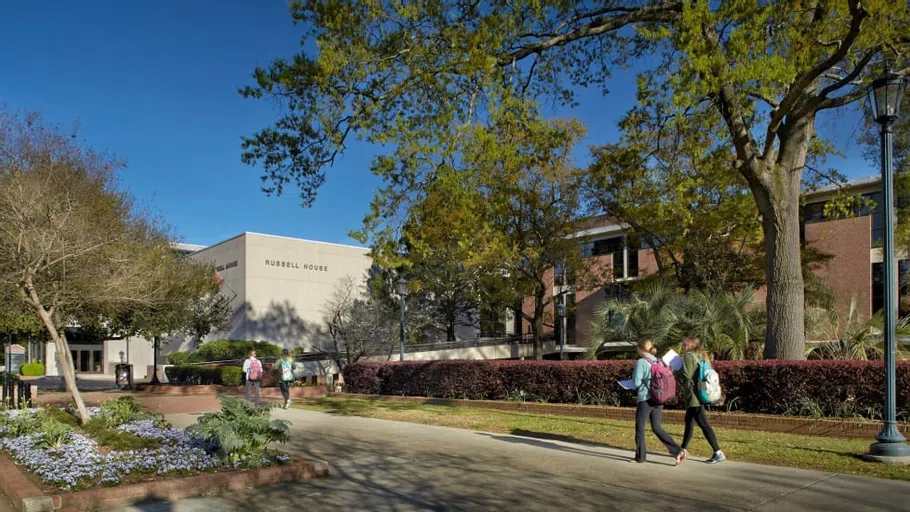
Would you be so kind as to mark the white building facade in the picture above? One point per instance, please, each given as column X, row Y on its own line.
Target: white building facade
column 279, row 287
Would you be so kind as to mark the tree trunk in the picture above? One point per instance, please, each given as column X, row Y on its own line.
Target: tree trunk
column 64, row 357
column 778, row 202
column 451, row 319
column 537, row 324
column 155, row 344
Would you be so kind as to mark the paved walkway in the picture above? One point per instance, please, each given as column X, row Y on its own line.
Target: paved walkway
column 386, row 465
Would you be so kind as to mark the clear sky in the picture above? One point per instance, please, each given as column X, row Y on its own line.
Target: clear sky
column 155, row 83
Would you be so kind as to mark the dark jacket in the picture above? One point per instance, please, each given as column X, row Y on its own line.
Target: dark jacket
column 688, row 378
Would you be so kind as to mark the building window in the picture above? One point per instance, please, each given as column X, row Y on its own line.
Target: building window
column 814, row 212
column 564, row 277
column 624, row 250
column 878, row 288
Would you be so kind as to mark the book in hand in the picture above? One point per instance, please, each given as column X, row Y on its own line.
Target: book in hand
column 672, row 359
column 627, row 384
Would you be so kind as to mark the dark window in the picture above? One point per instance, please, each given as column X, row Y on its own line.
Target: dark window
column 814, row 212
column 607, row 246
column 632, row 267
column 878, row 288
column 619, row 264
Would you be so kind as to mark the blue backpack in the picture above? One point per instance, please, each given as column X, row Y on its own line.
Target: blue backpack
column 707, row 387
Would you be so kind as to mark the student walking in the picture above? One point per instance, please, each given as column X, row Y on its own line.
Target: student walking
column 693, row 358
column 286, row 376
column 252, row 371
column 648, row 407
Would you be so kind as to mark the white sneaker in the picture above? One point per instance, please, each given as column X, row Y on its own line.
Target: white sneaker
column 718, row 457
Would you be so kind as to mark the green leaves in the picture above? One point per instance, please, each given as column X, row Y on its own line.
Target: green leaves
column 241, row 428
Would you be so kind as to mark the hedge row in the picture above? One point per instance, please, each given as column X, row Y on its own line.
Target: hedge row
column 193, row 375
column 225, row 350
column 812, row 388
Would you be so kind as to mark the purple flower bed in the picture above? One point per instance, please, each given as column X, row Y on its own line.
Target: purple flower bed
column 67, row 467
column 79, row 462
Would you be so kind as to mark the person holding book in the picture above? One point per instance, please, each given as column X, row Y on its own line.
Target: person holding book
column 693, row 357
column 649, row 409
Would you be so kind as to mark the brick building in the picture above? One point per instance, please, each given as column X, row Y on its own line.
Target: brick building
column 854, row 269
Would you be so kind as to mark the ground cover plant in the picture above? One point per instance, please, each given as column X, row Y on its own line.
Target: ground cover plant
column 122, row 442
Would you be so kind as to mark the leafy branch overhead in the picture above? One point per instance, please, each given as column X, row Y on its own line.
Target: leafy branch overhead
column 416, row 76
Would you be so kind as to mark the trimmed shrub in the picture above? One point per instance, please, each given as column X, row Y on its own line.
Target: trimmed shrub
column 230, row 350
column 32, row 370
column 179, row 358
column 204, row 375
column 225, row 350
column 807, row 388
column 231, row 375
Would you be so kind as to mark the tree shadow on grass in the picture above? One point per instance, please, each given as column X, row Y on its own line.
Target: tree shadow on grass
column 362, row 407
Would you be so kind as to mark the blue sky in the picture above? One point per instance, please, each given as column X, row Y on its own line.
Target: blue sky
column 155, row 83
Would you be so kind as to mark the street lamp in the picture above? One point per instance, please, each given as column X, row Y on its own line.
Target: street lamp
column 402, row 293
column 561, row 314
column 885, row 100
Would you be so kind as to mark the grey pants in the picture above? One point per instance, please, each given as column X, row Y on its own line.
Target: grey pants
column 254, row 386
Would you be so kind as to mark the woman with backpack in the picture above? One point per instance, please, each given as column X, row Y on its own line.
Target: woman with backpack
column 252, row 372
column 286, row 376
column 648, row 406
column 690, row 375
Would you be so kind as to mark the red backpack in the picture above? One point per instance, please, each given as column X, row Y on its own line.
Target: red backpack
column 662, row 383
column 255, row 371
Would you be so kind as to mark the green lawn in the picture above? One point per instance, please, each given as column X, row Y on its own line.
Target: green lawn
column 808, row 452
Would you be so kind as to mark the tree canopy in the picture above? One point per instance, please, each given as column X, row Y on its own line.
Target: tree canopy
column 414, row 75
column 73, row 246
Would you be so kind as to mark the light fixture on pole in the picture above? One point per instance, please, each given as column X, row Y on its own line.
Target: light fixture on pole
column 561, row 315
column 885, row 99
column 402, row 285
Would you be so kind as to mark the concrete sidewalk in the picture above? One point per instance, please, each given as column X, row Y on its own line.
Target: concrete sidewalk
column 387, row 465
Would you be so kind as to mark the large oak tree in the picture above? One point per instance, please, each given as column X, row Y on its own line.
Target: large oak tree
column 411, row 74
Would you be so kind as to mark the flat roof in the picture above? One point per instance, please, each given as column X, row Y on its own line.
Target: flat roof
column 180, row 246
column 855, row 183
column 365, row 249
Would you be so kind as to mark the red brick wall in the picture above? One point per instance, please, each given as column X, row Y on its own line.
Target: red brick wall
column 527, row 306
column 849, row 272
column 647, row 263
column 587, row 301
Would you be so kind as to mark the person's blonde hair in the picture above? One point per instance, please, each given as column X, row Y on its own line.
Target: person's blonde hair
column 645, row 345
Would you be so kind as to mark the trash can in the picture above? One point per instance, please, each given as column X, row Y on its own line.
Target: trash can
column 123, row 375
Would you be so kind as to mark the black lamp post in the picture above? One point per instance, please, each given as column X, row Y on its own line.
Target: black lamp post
column 561, row 315
column 885, row 99
column 402, row 285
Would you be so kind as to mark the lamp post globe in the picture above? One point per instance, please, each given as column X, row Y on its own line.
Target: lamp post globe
column 402, row 288
column 885, row 96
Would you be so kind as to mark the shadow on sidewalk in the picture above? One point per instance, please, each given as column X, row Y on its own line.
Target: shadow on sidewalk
column 539, row 440
column 148, row 506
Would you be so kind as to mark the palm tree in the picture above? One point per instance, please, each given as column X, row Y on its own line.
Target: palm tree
column 651, row 313
column 848, row 337
column 726, row 323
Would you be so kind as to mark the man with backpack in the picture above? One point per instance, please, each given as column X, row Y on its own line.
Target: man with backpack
column 252, row 371
column 655, row 385
column 701, row 387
